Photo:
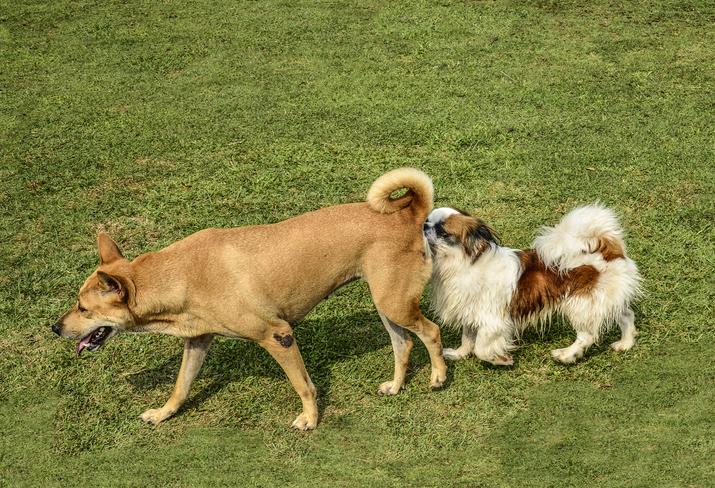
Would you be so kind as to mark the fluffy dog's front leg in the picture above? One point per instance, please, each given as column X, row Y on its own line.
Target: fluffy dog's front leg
column 494, row 341
column 469, row 336
column 195, row 349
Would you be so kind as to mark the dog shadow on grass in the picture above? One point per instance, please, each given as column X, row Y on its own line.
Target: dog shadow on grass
column 322, row 342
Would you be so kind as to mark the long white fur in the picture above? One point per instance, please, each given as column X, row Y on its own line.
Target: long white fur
column 569, row 244
column 477, row 295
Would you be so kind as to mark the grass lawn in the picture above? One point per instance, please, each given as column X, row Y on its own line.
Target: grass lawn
column 154, row 119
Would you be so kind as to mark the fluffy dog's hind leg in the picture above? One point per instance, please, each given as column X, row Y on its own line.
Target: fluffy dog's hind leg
column 195, row 349
column 628, row 331
column 587, row 317
column 575, row 351
column 401, row 346
column 469, row 337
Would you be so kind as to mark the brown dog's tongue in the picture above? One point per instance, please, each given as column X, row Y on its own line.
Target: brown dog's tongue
column 84, row 342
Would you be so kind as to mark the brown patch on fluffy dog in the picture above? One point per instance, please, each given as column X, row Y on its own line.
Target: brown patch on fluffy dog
column 610, row 249
column 540, row 287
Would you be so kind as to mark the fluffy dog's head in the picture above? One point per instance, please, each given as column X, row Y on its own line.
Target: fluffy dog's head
column 102, row 307
column 455, row 233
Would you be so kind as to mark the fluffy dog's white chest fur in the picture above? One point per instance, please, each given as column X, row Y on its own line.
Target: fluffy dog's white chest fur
column 475, row 294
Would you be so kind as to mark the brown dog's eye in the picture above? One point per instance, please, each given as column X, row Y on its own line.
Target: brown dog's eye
column 80, row 308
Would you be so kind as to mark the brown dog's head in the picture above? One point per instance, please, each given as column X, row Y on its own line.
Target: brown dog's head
column 454, row 233
column 102, row 307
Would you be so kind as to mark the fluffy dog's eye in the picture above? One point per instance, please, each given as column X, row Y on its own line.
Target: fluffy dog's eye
column 80, row 308
column 439, row 229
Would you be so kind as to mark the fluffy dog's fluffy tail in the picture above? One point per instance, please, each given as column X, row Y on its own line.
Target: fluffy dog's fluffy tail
column 419, row 196
column 585, row 230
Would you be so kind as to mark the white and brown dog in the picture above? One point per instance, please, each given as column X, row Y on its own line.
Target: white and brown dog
column 257, row 282
column 578, row 269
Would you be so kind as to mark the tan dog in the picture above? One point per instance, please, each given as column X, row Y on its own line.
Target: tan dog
column 256, row 282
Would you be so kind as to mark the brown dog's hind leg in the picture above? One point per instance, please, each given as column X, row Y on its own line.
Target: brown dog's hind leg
column 281, row 344
column 401, row 346
column 409, row 317
column 396, row 290
column 428, row 332
column 195, row 349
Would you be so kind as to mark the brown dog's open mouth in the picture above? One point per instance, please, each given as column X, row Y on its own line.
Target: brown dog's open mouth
column 94, row 340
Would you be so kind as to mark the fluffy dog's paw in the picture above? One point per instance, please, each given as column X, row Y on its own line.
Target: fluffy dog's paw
column 156, row 415
column 305, row 422
column 503, row 360
column 622, row 345
column 452, row 354
column 389, row 388
column 566, row 355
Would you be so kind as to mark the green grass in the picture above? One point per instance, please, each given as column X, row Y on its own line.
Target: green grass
column 153, row 120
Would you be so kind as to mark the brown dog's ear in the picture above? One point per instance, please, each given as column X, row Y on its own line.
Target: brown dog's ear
column 113, row 284
column 108, row 249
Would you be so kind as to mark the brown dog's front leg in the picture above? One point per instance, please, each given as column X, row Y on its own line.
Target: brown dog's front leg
column 195, row 349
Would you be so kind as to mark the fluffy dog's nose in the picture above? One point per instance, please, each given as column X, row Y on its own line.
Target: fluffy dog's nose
column 425, row 226
column 56, row 328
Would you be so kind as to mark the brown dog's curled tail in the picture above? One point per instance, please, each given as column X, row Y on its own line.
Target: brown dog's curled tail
column 419, row 196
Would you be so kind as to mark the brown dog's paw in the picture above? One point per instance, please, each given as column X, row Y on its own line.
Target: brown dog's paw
column 156, row 415
column 389, row 388
column 304, row 422
column 437, row 380
column 436, row 385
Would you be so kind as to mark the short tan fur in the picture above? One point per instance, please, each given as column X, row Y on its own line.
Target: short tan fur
column 257, row 282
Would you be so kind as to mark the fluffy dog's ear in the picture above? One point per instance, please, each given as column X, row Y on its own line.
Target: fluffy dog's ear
column 483, row 231
column 471, row 233
column 114, row 284
column 108, row 249
column 478, row 237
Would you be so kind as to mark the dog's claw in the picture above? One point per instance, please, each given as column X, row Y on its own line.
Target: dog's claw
column 304, row 422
